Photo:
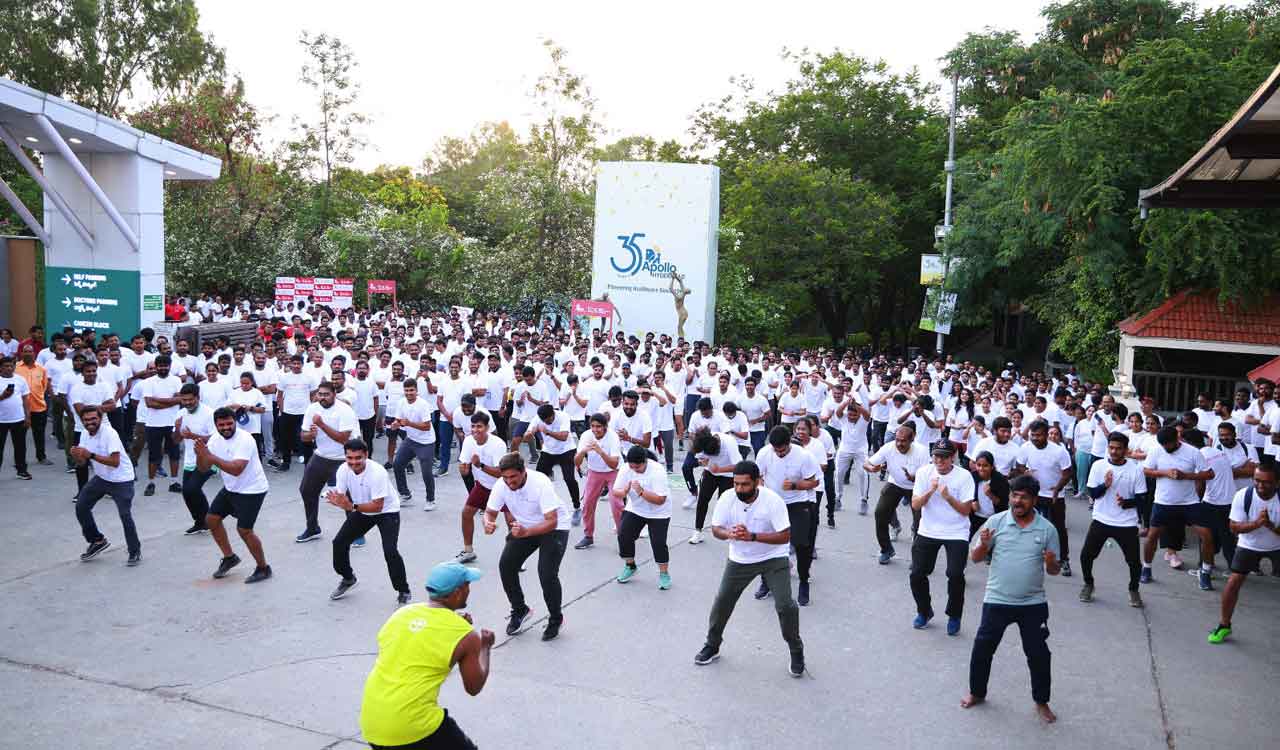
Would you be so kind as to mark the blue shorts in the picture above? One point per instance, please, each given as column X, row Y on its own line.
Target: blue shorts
column 1179, row 516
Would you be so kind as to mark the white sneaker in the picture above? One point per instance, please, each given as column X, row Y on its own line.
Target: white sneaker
column 428, row 505
column 695, row 537
column 690, row 502
column 1175, row 561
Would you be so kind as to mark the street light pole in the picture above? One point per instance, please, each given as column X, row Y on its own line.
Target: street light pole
column 950, row 166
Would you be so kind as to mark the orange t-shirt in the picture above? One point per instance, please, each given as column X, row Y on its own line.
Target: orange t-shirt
column 37, row 380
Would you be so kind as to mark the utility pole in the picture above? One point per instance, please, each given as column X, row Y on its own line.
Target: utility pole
column 950, row 166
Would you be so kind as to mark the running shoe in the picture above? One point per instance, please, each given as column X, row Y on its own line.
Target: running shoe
column 196, row 528
column 24, row 475
column 862, row 507
column 1145, row 576
column 1066, row 568
column 135, row 558
column 150, row 490
column 763, row 591
column 628, row 572
column 664, row 581
column 1086, row 593
column 345, row 585
column 1205, row 583
column 465, row 556
column 585, row 543
column 885, row 557
column 696, row 537
column 1219, row 634
column 797, row 665
column 921, row 622
column 307, row 536
column 1175, row 561
column 518, row 620
column 1135, row 599
column 706, row 656
column 802, row 596
column 953, row 626
column 577, row 516
column 95, row 549
column 225, row 566
column 175, row 487
column 259, row 574
column 552, row 629
column 894, row 531
column 428, row 505
column 358, row 542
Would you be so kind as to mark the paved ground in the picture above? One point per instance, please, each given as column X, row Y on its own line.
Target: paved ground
column 162, row 656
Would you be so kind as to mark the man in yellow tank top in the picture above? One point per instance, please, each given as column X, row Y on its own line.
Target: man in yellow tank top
column 417, row 648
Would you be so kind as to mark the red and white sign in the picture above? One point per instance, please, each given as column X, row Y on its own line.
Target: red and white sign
column 591, row 308
column 382, row 286
column 335, row 293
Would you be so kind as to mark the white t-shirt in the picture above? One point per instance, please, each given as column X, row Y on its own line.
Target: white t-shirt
column 938, row 520
column 765, row 515
column 82, row 393
column 252, row 480
column 249, row 399
column 898, row 465
column 419, row 411
column 1006, row 455
column 490, row 453
column 530, row 504
column 199, row 422
column 158, row 387
column 106, row 442
column 297, row 388
column 609, row 444
column 728, row 455
column 1185, row 459
column 1220, row 489
column 654, row 481
column 215, row 394
column 523, row 409
column 636, row 425
column 798, row 465
column 559, row 423
column 1103, row 426
column 367, row 486
column 338, row 417
column 1045, row 464
column 853, row 432
column 1261, row 539
column 365, row 391
column 1238, row 455
column 11, row 408
column 793, row 404
column 1126, row 482
column 753, row 407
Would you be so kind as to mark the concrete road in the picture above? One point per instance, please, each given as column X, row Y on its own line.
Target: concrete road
column 162, row 656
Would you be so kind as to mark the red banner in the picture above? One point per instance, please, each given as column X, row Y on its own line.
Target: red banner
column 336, row 293
column 591, row 308
column 382, row 286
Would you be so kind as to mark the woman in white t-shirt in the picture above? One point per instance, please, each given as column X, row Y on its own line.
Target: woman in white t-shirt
column 599, row 449
column 1081, row 440
column 664, row 424
column 644, row 487
column 250, row 404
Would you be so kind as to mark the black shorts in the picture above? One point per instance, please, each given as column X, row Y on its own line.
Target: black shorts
column 160, row 443
column 448, row 736
column 1179, row 516
column 1245, row 561
column 244, row 507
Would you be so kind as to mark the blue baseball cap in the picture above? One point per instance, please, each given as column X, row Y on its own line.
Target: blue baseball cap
column 446, row 577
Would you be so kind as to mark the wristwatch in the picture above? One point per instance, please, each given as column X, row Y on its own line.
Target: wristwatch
column 753, row 536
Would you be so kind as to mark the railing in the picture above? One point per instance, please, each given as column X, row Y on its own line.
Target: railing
column 1177, row 391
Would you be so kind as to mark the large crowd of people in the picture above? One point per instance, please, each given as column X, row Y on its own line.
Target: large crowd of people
column 986, row 462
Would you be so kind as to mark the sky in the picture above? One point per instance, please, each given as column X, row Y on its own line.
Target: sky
column 433, row 69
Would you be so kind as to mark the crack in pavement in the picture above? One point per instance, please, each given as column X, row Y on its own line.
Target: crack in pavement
column 1155, row 679
column 158, row 690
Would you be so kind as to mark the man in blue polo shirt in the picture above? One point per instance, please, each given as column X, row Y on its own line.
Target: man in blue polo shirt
column 1023, row 546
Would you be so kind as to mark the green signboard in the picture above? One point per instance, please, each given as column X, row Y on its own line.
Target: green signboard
column 102, row 299
column 153, row 302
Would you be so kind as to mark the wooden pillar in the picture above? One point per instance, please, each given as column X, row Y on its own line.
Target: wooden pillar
column 21, row 268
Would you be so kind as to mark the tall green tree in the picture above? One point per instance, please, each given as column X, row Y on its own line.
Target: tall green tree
column 1111, row 98
column 811, row 231
column 852, row 115
column 330, row 139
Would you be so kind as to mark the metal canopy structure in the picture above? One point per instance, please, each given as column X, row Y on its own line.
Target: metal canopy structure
column 1239, row 167
column 42, row 122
